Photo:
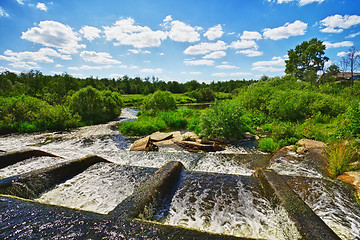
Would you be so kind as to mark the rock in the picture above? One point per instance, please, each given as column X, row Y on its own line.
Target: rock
column 190, row 136
column 311, row 144
column 143, row 144
column 159, row 136
column 352, row 178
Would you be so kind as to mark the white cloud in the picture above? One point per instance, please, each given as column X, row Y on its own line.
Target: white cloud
column 337, row 23
column 90, row 33
column 20, row 2
column 338, row 44
column 162, row 54
column 58, row 65
column 151, row 70
column 168, row 19
column 296, row 28
column 353, row 35
column 341, row 54
column 251, row 53
column 98, row 57
column 54, row 34
column 138, row 51
column 29, row 60
column 3, row 13
column 215, row 55
column 243, row 44
column 87, row 67
column 125, row 32
column 301, row 2
column 233, row 74
column 226, row 66
column 214, row 32
column 205, row 62
column 182, row 32
column 116, row 75
column 195, row 73
column 205, row 48
column 248, row 35
column 42, row 6
column 276, row 64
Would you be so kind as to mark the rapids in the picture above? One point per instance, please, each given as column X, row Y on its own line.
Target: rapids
column 231, row 208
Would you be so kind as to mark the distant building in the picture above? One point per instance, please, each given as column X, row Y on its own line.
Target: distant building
column 342, row 76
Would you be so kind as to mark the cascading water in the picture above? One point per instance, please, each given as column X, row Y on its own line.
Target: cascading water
column 234, row 207
column 235, row 210
column 98, row 189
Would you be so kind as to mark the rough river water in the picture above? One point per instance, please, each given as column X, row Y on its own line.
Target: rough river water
column 235, row 207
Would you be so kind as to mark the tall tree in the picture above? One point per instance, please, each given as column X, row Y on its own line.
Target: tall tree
column 306, row 60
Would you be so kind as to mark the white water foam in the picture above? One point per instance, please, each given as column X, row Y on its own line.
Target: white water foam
column 99, row 189
column 29, row 165
column 242, row 215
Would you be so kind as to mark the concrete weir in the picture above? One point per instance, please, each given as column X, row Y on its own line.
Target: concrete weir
column 31, row 185
column 10, row 158
column 307, row 222
column 132, row 218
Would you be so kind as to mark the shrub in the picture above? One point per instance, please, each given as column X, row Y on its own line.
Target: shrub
column 267, row 145
column 353, row 120
column 340, row 154
column 160, row 100
column 224, row 120
column 142, row 127
column 96, row 106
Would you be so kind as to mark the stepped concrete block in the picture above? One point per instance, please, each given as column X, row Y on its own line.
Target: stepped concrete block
column 307, row 222
column 11, row 158
column 33, row 184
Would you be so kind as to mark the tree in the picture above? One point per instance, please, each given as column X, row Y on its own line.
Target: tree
column 331, row 73
column 352, row 60
column 306, row 60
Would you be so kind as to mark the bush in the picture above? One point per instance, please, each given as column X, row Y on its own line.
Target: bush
column 160, row 100
column 145, row 126
column 29, row 114
column 96, row 106
column 267, row 145
column 224, row 120
column 340, row 155
column 353, row 120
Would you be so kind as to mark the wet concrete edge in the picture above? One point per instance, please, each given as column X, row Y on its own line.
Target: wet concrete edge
column 309, row 225
column 11, row 158
column 31, row 185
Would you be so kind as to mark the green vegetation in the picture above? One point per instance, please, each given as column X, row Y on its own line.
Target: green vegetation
column 152, row 121
column 160, row 100
column 341, row 155
column 267, row 145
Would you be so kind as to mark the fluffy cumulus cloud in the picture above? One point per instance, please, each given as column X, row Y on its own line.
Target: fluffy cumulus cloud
column 139, row 51
column 182, row 32
column 98, row 57
column 249, row 35
column 243, row 44
column 214, row 32
column 296, row 28
column 42, row 6
column 337, row 23
column 205, row 48
column 338, row 44
column 250, row 52
column 201, row 62
column 90, row 33
column 215, row 55
column 301, row 2
column 276, row 64
column 125, row 32
column 27, row 60
column 54, row 34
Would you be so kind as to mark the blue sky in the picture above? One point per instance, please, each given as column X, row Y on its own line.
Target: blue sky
column 212, row 40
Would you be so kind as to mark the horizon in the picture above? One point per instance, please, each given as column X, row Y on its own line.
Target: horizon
column 173, row 41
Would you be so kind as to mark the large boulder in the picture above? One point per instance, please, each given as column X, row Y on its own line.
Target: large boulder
column 352, row 178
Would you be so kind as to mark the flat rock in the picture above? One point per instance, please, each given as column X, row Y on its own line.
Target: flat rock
column 352, row 178
column 159, row 136
column 311, row 144
column 143, row 144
